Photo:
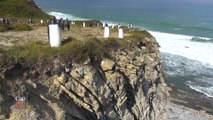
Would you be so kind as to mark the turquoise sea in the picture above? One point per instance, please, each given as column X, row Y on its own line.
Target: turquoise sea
column 183, row 28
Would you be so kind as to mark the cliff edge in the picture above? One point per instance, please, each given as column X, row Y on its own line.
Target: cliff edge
column 124, row 82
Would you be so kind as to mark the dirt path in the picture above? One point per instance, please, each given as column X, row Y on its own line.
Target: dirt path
column 19, row 37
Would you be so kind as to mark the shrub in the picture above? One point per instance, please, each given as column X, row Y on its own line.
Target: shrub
column 75, row 50
column 4, row 28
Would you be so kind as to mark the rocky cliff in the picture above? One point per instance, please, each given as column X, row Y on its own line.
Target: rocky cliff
column 128, row 85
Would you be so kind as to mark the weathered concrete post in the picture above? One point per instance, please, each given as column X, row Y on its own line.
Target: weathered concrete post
column 120, row 33
column 106, row 32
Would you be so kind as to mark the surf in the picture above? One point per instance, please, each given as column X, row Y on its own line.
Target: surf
column 184, row 45
column 59, row 15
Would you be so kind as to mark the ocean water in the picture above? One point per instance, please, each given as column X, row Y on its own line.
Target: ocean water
column 183, row 28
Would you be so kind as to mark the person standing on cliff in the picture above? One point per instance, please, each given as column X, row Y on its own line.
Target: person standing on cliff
column 7, row 22
column 67, row 24
column 3, row 21
column 52, row 20
column 60, row 23
column 30, row 21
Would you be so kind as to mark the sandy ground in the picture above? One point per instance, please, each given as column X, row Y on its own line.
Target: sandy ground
column 19, row 37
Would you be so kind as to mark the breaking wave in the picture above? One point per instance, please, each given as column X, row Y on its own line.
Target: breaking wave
column 59, row 15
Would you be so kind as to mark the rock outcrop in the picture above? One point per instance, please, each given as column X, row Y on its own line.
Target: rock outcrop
column 130, row 86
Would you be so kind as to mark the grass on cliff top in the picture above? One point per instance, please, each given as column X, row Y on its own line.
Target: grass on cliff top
column 72, row 49
column 22, row 27
column 4, row 28
column 20, row 9
column 16, row 27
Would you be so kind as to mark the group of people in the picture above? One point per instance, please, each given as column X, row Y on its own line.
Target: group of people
column 118, row 25
column 92, row 23
column 5, row 21
column 63, row 24
column 130, row 26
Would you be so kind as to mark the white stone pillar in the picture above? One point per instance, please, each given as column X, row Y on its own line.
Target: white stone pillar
column 54, row 35
column 104, row 24
column 106, row 32
column 120, row 33
column 84, row 24
column 42, row 21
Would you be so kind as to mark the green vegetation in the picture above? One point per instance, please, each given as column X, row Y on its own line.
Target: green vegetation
column 137, row 34
column 16, row 27
column 75, row 50
column 20, row 9
column 4, row 28
column 22, row 27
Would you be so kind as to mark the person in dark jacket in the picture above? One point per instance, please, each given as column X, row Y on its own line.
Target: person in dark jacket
column 67, row 24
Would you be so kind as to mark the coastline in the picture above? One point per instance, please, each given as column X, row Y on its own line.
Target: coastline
column 181, row 112
column 191, row 100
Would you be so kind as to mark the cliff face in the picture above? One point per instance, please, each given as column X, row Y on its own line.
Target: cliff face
column 128, row 87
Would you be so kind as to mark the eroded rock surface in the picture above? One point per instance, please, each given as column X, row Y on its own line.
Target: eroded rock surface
column 129, row 87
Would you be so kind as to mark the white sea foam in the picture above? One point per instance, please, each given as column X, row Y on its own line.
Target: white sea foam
column 208, row 91
column 183, row 46
column 59, row 15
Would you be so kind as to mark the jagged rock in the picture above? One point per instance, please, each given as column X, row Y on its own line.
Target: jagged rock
column 107, row 64
column 27, row 113
column 150, row 73
column 31, row 83
column 128, row 116
column 112, row 115
column 138, row 61
column 149, row 59
column 60, row 111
